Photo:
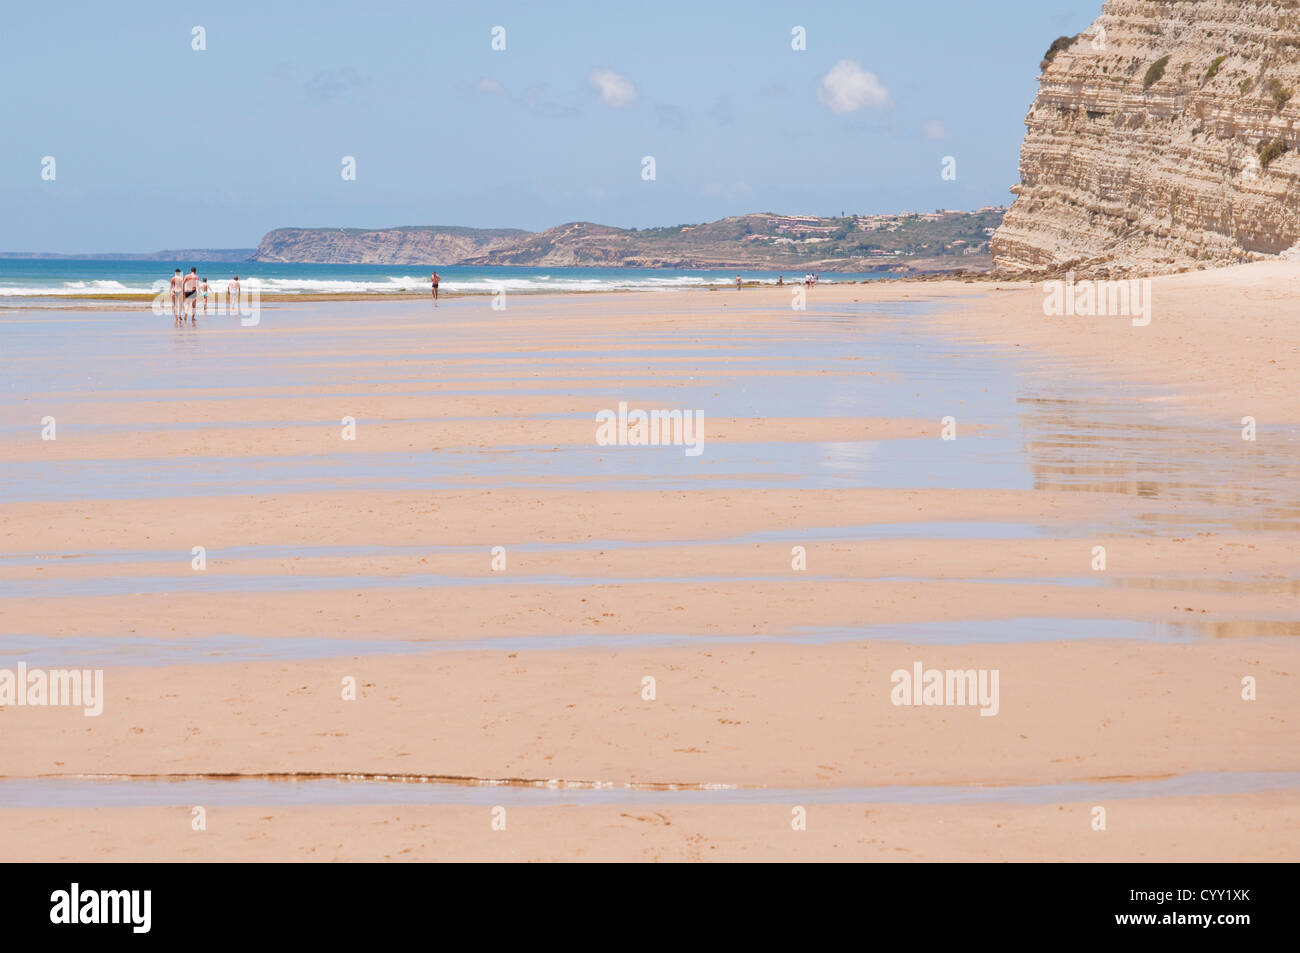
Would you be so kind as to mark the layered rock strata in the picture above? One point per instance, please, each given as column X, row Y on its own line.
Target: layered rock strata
column 1163, row 138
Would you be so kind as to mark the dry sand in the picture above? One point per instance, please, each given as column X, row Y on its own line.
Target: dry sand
column 1250, row 827
column 757, row 714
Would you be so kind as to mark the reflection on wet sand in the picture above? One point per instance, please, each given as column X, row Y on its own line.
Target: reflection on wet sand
column 1210, row 479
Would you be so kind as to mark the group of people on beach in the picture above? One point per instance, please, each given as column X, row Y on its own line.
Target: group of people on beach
column 809, row 280
column 188, row 289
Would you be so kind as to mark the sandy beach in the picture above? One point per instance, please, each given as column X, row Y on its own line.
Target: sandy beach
column 600, row 638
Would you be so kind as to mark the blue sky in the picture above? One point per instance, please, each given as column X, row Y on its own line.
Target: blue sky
column 157, row 145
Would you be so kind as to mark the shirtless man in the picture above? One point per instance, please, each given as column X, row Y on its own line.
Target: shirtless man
column 232, row 296
column 176, row 296
column 192, row 291
column 435, row 279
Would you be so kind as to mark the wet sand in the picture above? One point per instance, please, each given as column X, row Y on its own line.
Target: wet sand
column 373, row 559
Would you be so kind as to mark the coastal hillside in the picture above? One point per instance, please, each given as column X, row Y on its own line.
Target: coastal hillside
column 1163, row 137
column 385, row 246
column 906, row 242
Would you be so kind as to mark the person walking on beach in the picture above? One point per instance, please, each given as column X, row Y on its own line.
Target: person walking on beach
column 434, row 281
column 191, row 291
column 232, row 296
column 176, row 297
column 737, row 282
column 204, row 292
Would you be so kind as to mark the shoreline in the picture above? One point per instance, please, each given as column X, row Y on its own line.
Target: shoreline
column 352, row 296
column 721, row 285
column 984, row 276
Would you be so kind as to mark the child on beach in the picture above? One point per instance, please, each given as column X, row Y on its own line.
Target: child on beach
column 205, row 296
column 232, row 296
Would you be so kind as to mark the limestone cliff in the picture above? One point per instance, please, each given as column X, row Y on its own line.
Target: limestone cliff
column 384, row 246
column 1163, row 137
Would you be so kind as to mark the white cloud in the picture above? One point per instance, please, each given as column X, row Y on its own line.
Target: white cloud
column 615, row 90
column 489, row 85
column 848, row 88
column 934, row 129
